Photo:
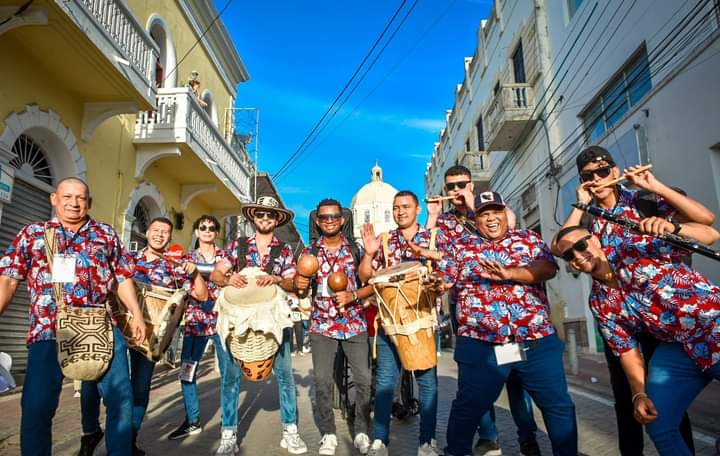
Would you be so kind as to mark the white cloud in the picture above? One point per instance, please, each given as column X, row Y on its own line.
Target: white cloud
column 424, row 124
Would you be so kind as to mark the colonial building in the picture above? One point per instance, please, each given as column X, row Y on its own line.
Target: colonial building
column 549, row 78
column 373, row 204
column 128, row 95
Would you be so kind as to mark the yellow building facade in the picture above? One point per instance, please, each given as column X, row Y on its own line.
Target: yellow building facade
column 99, row 89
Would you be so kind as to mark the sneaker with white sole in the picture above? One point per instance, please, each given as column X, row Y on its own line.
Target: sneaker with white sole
column 378, row 448
column 185, row 430
column 362, row 442
column 291, row 440
column 429, row 449
column 228, row 443
column 328, row 443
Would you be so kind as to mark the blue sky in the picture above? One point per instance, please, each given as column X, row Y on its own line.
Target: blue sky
column 299, row 55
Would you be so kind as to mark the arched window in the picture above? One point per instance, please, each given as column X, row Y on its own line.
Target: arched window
column 140, row 225
column 31, row 160
column 165, row 76
column 367, row 216
column 387, row 215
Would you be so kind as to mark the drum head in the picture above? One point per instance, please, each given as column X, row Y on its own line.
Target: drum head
column 398, row 272
column 251, row 294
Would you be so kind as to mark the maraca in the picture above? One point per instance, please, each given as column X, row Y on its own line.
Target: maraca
column 337, row 281
column 307, row 266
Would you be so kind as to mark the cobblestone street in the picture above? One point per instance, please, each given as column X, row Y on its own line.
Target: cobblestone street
column 259, row 429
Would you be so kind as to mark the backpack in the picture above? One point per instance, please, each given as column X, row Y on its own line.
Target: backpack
column 242, row 250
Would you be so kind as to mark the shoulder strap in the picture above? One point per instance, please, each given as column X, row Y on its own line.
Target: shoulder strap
column 50, row 245
column 242, row 250
column 275, row 252
column 433, row 238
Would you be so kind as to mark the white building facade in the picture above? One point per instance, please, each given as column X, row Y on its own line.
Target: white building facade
column 373, row 204
column 639, row 78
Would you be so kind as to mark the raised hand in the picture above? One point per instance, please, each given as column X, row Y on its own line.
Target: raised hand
column 583, row 192
column 494, row 271
column 643, row 179
column 370, row 241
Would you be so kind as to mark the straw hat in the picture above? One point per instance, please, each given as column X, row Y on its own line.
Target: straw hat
column 265, row 203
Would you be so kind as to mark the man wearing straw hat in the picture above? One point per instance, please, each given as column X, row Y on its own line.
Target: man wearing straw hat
column 405, row 243
column 656, row 204
column 262, row 250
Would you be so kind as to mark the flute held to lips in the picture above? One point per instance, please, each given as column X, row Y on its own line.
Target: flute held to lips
column 674, row 239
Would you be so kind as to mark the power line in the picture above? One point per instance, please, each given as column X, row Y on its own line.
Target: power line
column 342, row 91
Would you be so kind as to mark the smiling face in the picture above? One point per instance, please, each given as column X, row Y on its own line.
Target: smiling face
column 581, row 250
column 71, row 202
column 492, row 222
column 405, row 211
column 453, row 186
column 265, row 221
column 330, row 220
column 158, row 235
column 207, row 231
column 599, row 172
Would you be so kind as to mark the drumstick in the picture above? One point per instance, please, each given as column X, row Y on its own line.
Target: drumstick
column 623, row 177
column 435, row 199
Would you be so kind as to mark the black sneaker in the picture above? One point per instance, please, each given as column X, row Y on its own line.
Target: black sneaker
column 485, row 447
column 185, row 430
column 530, row 448
column 136, row 451
column 89, row 442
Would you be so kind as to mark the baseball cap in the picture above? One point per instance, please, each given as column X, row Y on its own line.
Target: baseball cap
column 593, row 154
column 487, row 199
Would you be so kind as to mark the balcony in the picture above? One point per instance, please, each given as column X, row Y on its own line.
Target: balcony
column 478, row 162
column 509, row 116
column 182, row 140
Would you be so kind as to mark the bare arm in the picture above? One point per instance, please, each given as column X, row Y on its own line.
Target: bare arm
column 700, row 232
column 126, row 293
column 534, row 272
column 634, row 366
column 219, row 273
column 8, row 286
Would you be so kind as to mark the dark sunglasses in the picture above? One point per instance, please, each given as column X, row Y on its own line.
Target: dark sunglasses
column 580, row 246
column 602, row 173
column 450, row 186
column 263, row 214
column 210, row 228
column 329, row 217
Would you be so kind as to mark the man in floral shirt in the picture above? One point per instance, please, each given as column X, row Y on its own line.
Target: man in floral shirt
column 337, row 319
column 406, row 243
column 264, row 251
column 150, row 265
column 457, row 223
column 99, row 261
column 646, row 287
column 504, row 328
column 653, row 205
column 200, row 321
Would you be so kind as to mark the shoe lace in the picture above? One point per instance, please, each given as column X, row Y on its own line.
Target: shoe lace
column 293, row 439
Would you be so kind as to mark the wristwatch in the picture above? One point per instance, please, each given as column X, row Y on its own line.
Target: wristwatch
column 676, row 226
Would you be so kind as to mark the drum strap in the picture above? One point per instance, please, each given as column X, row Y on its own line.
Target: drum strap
column 386, row 250
column 242, row 250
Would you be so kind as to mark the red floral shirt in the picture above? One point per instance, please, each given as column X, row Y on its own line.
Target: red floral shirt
column 99, row 261
column 161, row 272
column 200, row 319
column 449, row 223
column 326, row 319
column 284, row 264
column 499, row 311
column 673, row 302
column 400, row 250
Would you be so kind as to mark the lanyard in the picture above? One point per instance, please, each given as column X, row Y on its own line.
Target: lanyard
column 327, row 259
column 72, row 240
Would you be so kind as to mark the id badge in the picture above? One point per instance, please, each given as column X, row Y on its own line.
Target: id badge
column 187, row 371
column 63, row 269
column 509, row 353
column 324, row 289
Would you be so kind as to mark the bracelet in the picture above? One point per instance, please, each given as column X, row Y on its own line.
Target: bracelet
column 637, row 395
column 676, row 227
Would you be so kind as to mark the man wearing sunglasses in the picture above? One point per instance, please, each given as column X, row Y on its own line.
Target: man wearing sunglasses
column 200, row 325
column 504, row 327
column 653, row 205
column 337, row 320
column 642, row 286
column 262, row 250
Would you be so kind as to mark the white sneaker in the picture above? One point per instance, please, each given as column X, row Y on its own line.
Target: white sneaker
column 291, row 440
column 328, row 443
column 228, row 443
column 378, row 448
column 362, row 442
column 429, row 449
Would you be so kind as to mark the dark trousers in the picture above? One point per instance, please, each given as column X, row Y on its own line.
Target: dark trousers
column 630, row 432
column 299, row 332
column 323, row 357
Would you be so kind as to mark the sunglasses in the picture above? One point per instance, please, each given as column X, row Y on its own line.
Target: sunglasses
column 602, row 173
column 450, row 186
column 266, row 214
column 210, row 228
column 329, row 217
column 580, row 246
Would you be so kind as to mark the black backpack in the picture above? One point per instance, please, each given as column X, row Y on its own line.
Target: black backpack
column 242, row 250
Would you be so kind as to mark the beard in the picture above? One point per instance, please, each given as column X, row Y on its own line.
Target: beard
column 264, row 230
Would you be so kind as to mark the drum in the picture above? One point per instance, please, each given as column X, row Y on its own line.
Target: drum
column 251, row 322
column 162, row 308
column 407, row 313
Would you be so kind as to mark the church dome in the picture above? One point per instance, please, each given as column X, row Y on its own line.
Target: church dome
column 375, row 191
column 373, row 204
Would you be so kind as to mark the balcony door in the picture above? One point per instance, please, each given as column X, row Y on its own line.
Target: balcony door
column 519, row 65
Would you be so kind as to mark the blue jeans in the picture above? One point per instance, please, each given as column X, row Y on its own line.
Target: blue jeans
column 141, row 371
column 480, row 381
column 192, row 350
column 41, row 393
column 521, row 408
column 231, row 380
column 387, row 374
column 674, row 381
